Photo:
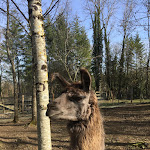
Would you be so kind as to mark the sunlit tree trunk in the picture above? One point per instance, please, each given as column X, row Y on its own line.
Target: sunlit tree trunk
column 97, row 48
column 126, row 25
column 0, row 80
column 19, row 85
column 108, row 63
column 13, row 68
column 34, row 108
column 39, row 50
column 121, row 67
column 148, row 59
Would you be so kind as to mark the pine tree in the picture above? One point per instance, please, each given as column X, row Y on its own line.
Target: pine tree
column 29, row 74
column 139, row 60
column 129, row 55
column 67, row 45
column 97, row 49
column 108, row 63
column 80, row 49
column 14, row 36
column 114, row 76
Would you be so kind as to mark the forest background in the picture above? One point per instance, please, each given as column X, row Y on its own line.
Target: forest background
column 110, row 38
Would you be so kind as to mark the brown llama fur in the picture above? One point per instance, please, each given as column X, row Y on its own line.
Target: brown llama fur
column 78, row 104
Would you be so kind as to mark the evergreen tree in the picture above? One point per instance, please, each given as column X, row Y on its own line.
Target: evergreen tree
column 67, row 45
column 131, row 70
column 114, row 76
column 108, row 64
column 139, row 64
column 16, row 45
column 57, row 36
column 80, row 55
column 27, row 65
column 129, row 48
column 29, row 75
column 13, row 45
column 97, row 49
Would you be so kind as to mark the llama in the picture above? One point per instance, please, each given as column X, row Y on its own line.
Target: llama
column 78, row 104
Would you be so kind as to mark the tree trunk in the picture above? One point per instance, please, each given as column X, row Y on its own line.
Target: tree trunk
column 19, row 85
column 121, row 67
column 0, row 80
column 39, row 54
column 107, row 62
column 15, row 94
column 148, row 60
column 22, row 102
column 97, row 49
column 13, row 69
column 34, row 108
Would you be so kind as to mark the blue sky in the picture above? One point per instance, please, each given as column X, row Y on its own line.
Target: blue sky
column 116, row 35
column 77, row 7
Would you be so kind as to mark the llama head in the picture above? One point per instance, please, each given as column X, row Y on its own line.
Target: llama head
column 73, row 103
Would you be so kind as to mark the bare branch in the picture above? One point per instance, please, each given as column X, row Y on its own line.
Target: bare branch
column 16, row 20
column 59, row 16
column 55, row 12
column 20, row 11
column 50, row 9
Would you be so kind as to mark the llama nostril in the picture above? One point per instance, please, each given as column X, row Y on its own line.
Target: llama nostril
column 48, row 105
column 47, row 113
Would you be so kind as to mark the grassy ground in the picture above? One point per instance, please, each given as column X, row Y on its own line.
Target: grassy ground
column 122, row 102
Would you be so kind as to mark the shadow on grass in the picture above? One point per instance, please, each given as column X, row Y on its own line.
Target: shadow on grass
column 16, row 141
column 134, row 128
column 60, row 146
column 135, row 146
column 128, row 108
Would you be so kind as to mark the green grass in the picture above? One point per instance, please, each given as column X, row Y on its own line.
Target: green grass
column 122, row 102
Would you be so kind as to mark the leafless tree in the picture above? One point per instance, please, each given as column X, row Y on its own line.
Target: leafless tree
column 127, row 26
column 11, row 59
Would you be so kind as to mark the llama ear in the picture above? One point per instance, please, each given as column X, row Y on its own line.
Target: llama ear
column 85, row 79
column 63, row 81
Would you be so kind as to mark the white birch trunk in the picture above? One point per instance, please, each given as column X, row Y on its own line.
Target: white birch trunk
column 39, row 50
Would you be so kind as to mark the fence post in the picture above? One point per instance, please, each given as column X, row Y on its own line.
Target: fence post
column 3, row 110
column 3, row 107
column 22, row 103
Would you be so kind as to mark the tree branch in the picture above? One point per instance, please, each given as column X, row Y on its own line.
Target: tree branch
column 50, row 9
column 16, row 20
column 20, row 11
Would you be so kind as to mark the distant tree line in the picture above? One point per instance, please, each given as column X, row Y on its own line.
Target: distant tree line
column 118, row 71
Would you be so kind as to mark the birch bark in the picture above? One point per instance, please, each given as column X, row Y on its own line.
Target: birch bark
column 40, row 64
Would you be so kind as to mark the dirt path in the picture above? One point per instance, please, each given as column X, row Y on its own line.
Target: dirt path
column 126, row 128
column 17, row 136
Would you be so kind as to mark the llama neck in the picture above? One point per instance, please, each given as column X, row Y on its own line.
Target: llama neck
column 87, row 135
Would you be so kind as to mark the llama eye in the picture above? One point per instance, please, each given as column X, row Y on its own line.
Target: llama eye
column 76, row 98
column 62, row 92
